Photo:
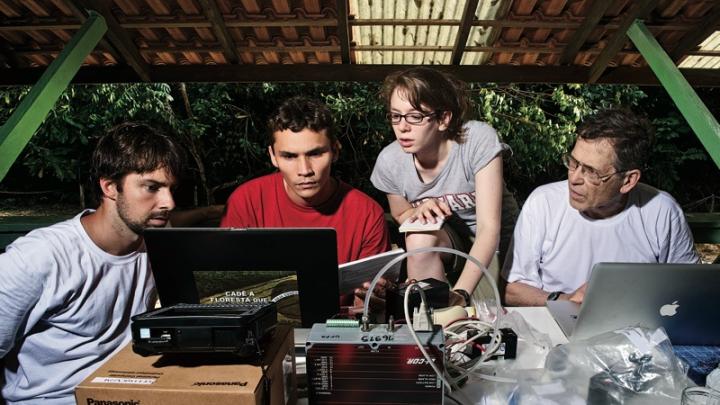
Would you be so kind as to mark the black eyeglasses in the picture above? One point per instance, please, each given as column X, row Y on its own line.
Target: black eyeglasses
column 412, row 118
column 589, row 173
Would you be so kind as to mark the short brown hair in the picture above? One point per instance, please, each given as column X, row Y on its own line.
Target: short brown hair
column 298, row 113
column 133, row 148
column 436, row 90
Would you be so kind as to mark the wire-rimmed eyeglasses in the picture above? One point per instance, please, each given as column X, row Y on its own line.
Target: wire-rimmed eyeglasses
column 589, row 173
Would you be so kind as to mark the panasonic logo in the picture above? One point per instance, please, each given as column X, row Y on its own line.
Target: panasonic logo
column 92, row 401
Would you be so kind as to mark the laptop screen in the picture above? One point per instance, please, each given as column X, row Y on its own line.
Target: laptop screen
column 294, row 267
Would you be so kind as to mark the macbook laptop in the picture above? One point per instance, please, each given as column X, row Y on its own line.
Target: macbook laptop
column 294, row 267
column 678, row 297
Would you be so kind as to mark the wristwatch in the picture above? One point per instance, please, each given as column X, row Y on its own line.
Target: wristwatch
column 464, row 294
column 553, row 296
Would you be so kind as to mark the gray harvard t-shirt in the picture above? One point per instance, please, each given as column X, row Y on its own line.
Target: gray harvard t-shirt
column 395, row 172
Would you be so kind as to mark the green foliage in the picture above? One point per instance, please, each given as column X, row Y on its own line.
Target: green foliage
column 672, row 152
column 223, row 128
column 362, row 130
column 539, row 123
column 62, row 145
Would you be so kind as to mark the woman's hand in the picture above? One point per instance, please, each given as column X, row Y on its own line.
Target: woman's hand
column 430, row 210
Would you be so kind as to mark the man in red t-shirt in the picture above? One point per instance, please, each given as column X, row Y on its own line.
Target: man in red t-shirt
column 303, row 193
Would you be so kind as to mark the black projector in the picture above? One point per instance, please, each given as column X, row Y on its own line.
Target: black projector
column 204, row 328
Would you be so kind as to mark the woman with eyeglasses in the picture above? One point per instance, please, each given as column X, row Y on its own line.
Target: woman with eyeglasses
column 441, row 167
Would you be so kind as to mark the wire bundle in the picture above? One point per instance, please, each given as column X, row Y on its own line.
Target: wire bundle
column 459, row 367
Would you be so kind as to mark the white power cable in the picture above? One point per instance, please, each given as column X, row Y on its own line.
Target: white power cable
column 494, row 343
column 415, row 336
column 390, row 264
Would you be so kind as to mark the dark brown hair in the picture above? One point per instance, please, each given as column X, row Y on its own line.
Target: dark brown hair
column 298, row 113
column 429, row 88
column 133, row 148
column 631, row 135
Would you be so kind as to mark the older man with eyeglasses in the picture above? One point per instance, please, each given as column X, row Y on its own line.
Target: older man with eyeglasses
column 601, row 213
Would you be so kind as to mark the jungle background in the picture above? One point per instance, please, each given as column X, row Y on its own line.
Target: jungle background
column 222, row 127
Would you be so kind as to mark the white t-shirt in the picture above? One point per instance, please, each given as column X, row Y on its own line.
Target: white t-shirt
column 65, row 307
column 555, row 246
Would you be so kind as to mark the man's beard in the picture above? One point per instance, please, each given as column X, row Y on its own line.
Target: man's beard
column 137, row 226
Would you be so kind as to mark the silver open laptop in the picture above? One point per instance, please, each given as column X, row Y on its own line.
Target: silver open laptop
column 682, row 298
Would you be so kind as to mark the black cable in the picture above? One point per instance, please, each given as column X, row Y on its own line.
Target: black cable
column 448, row 396
column 263, row 370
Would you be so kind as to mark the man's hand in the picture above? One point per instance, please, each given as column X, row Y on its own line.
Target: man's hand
column 577, row 296
column 377, row 300
column 429, row 210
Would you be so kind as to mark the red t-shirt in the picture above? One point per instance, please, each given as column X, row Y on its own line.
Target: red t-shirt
column 358, row 219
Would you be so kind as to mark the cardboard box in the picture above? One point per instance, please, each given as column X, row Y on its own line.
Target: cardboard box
column 130, row 379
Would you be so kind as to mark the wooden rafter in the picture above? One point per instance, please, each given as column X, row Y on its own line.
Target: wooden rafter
column 37, row 103
column 692, row 39
column 701, row 120
column 81, row 15
column 299, row 73
column 119, row 38
column 50, row 50
column 19, row 24
column 594, row 14
column 212, row 12
column 343, row 30
column 639, row 9
column 153, row 49
column 464, row 31
column 9, row 57
column 5, row 60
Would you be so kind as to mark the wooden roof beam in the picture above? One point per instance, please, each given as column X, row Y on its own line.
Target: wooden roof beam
column 19, row 24
column 81, row 15
column 343, row 30
column 9, row 57
column 594, row 14
column 639, row 9
column 213, row 14
column 5, row 60
column 692, row 39
column 118, row 37
column 464, row 31
column 306, row 73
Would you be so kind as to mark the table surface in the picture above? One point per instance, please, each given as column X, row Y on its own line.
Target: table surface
column 540, row 319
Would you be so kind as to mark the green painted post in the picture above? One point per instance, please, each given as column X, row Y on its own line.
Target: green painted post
column 692, row 108
column 31, row 112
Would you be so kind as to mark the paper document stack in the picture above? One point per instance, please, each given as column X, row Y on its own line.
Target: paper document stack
column 352, row 275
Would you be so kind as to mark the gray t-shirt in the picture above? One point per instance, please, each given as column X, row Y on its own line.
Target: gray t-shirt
column 395, row 172
column 65, row 308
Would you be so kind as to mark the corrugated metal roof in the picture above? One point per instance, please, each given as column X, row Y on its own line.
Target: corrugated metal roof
column 710, row 46
column 375, row 43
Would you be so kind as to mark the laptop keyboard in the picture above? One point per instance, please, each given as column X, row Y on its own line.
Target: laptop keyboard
column 214, row 308
column 701, row 360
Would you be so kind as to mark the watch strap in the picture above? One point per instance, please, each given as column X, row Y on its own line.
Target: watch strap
column 553, row 296
column 464, row 294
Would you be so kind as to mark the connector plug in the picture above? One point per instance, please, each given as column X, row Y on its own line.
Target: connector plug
column 422, row 321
